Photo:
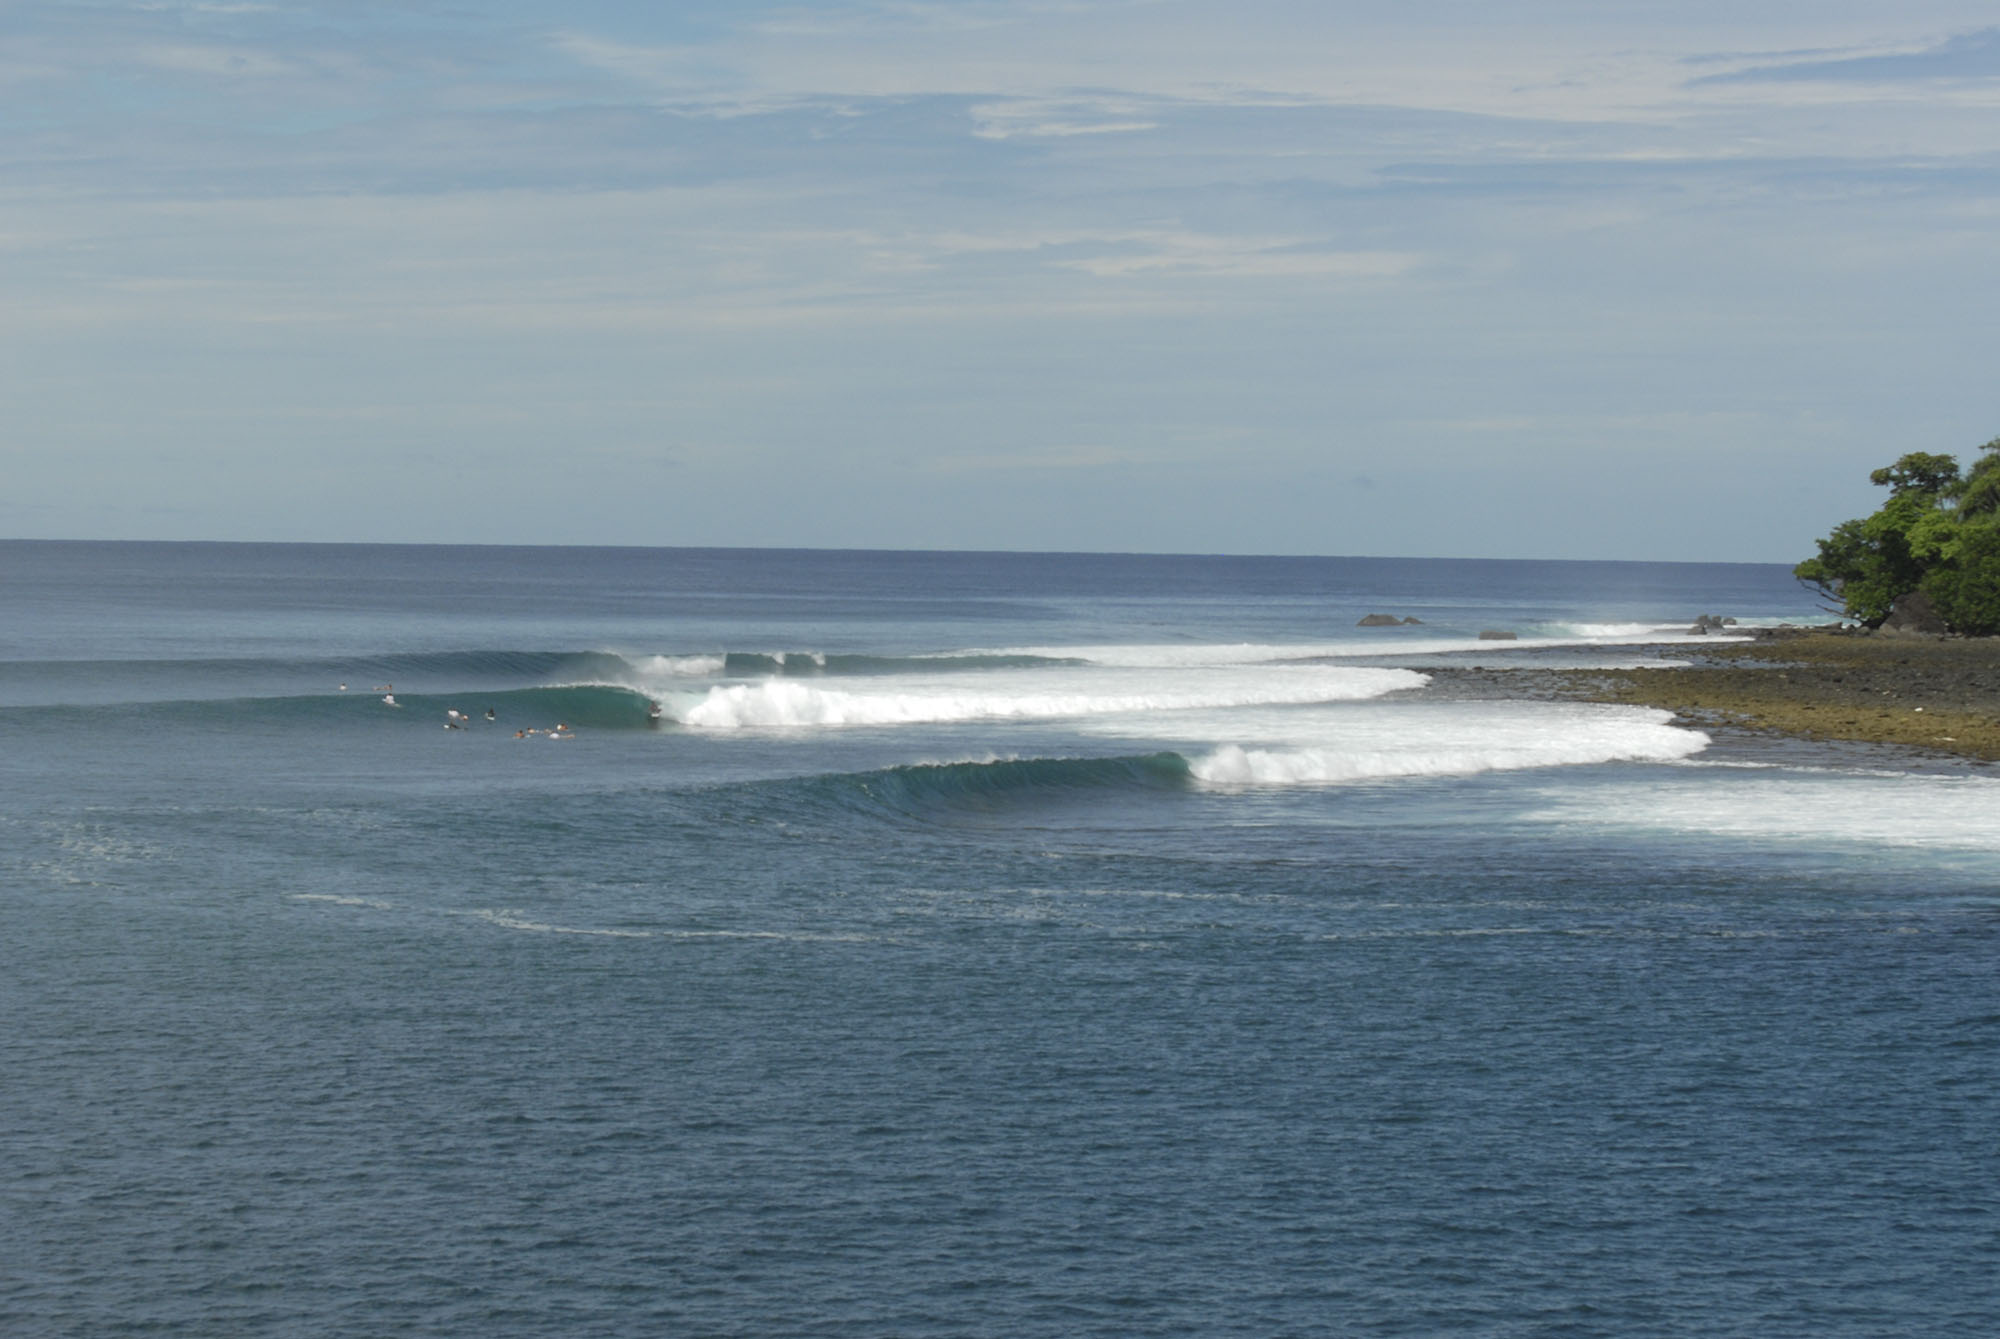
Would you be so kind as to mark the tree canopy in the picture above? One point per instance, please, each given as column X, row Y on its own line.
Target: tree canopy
column 1939, row 533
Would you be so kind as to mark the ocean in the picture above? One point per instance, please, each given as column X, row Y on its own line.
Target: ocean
column 883, row 944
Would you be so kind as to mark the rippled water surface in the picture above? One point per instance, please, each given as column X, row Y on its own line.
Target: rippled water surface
column 957, row 945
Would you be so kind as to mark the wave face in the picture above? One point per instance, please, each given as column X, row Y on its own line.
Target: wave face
column 922, row 790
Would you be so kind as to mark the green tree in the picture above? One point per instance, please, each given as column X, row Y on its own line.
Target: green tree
column 1939, row 532
column 1965, row 584
column 1918, row 472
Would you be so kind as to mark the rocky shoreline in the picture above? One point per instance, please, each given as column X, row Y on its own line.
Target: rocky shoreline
column 1938, row 695
column 1924, row 698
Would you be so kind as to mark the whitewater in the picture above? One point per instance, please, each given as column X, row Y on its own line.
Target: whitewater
column 548, row 942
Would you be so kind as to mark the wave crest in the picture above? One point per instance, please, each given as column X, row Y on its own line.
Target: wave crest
column 782, row 703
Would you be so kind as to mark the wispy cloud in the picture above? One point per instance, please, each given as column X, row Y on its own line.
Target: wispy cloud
column 1967, row 56
column 1044, row 117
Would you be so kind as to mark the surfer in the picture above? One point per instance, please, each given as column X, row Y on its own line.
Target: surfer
column 489, row 714
column 389, row 700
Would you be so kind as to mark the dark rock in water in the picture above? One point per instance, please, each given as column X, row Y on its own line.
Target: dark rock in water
column 1698, row 630
column 1380, row 621
column 1913, row 615
column 1412, row 620
column 1497, row 635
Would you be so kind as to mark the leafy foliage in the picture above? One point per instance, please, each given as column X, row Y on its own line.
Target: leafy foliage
column 1939, row 532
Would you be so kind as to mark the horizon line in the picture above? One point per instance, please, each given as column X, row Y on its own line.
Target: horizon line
column 857, row 550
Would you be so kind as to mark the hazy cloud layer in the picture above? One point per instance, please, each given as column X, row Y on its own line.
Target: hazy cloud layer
column 1562, row 279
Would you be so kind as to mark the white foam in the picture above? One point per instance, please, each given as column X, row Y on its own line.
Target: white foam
column 1679, row 631
column 1821, row 809
column 673, row 667
column 1028, row 695
column 1622, row 631
column 1445, row 739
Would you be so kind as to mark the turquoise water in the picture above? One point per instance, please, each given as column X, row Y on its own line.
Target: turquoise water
column 1047, row 945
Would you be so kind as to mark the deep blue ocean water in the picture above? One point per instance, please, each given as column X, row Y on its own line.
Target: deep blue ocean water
column 959, row 944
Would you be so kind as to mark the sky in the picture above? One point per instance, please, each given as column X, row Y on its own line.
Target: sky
column 1545, row 278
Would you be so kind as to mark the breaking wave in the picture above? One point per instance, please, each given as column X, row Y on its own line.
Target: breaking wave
column 1233, row 765
column 918, row 789
column 782, row 704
